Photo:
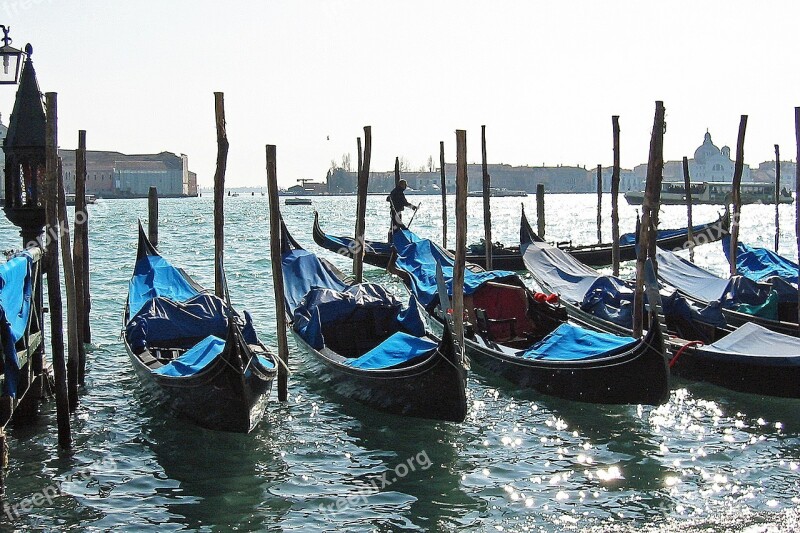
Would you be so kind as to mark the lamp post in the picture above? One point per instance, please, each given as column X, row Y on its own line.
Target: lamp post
column 11, row 59
column 24, row 147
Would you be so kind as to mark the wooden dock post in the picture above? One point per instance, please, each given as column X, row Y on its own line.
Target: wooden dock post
column 736, row 192
column 461, row 235
column 53, row 281
column 777, row 196
column 80, row 253
column 219, row 193
column 73, row 347
column 361, row 207
column 540, row 209
column 487, row 205
column 797, row 192
column 599, row 204
column 615, row 197
column 444, row 194
column 396, row 171
column 687, row 183
column 655, row 166
column 152, row 216
column 277, row 271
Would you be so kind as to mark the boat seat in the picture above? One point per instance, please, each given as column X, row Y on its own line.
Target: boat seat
column 149, row 361
column 497, row 329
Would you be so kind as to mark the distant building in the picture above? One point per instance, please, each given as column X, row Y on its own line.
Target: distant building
column 555, row 179
column 708, row 164
column 118, row 175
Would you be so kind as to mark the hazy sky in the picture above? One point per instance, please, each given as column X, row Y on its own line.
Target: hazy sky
column 544, row 77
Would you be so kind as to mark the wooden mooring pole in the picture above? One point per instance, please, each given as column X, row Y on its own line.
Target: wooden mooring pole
column 599, row 203
column 53, row 281
column 540, row 209
column 777, row 196
column 487, row 202
column 361, row 207
column 277, row 270
column 797, row 193
column 736, row 192
column 80, row 253
column 396, row 171
column 152, row 215
column 219, row 192
column 615, row 197
column 461, row 235
column 655, row 166
column 687, row 186
column 444, row 194
column 73, row 347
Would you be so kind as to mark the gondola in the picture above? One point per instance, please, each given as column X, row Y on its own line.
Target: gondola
column 528, row 340
column 509, row 257
column 771, row 303
column 747, row 359
column 366, row 346
column 190, row 349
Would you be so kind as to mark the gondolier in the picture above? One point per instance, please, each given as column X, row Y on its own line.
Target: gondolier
column 397, row 202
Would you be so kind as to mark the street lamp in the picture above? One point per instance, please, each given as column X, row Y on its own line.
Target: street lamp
column 12, row 57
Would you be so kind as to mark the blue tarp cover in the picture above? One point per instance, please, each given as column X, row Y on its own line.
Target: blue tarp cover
column 302, row 271
column 153, row 276
column 418, row 258
column 397, row 349
column 15, row 308
column 760, row 263
column 195, row 359
column 163, row 323
column 570, row 343
column 630, row 238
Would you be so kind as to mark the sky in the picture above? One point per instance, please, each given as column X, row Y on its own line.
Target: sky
column 544, row 77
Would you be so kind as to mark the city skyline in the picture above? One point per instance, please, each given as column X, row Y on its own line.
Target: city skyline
column 545, row 79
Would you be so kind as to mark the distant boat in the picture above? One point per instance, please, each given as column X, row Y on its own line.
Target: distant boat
column 498, row 192
column 712, row 192
column 70, row 198
column 298, row 201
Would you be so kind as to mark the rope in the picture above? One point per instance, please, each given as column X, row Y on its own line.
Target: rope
column 682, row 349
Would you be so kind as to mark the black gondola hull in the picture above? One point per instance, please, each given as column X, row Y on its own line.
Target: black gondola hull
column 219, row 398
column 510, row 258
column 433, row 389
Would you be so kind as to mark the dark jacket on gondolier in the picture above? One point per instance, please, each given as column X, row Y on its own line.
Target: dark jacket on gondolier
column 397, row 199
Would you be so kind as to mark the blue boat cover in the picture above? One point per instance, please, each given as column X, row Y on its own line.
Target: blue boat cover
column 759, row 264
column 163, row 323
column 418, row 258
column 752, row 341
column 399, row 348
column 739, row 293
column 153, row 276
column 302, row 271
column 605, row 297
column 316, row 297
column 15, row 308
column 570, row 343
column 628, row 239
column 195, row 359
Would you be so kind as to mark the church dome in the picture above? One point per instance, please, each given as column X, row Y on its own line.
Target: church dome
column 705, row 151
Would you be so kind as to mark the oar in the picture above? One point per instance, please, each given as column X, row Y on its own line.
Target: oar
column 412, row 216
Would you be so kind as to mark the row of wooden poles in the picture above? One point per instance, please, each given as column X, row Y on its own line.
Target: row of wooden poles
column 70, row 372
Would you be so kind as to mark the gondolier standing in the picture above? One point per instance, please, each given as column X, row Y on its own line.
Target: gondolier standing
column 397, row 202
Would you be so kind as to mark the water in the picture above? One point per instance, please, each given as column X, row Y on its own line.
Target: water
column 710, row 459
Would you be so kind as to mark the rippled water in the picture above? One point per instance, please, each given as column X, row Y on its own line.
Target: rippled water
column 710, row 459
